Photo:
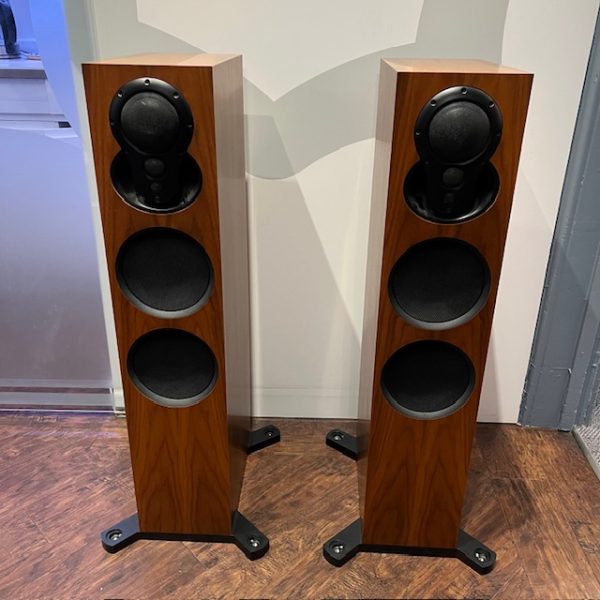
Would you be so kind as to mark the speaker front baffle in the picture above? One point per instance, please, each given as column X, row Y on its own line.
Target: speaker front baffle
column 448, row 141
column 168, row 139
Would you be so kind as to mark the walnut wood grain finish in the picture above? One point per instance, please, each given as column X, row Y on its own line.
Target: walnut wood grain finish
column 532, row 497
column 414, row 472
column 235, row 268
column 452, row 66
column 383, row 151
column 170, row 59
column 187, row 477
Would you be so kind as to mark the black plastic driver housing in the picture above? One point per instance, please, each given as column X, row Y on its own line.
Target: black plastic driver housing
column 154, row 125
column 456, row 134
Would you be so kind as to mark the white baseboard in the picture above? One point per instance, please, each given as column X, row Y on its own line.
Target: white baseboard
column 304, row 403
column 49, row 400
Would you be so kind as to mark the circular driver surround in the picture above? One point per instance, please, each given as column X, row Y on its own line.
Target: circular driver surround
column 164, row 272
column 428, row 379
column 151, row 115
column 172, row 367
column 439, row 283
column 485, row 194
column 121, row 176
column 459, row 125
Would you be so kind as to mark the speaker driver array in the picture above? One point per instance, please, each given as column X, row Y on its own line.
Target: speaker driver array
column 168, row 145
column 153, row 124
column 456, row 134
column 162, row 271
column 448, row 141
column 167, row 133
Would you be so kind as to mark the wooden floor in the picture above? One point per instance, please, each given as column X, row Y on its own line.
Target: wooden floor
column 532, row 497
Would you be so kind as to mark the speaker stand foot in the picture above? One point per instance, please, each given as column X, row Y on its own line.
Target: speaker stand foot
column 263, row 437
column 348, row 542
column 343, row 442
column 121, row 535
column 252, row 542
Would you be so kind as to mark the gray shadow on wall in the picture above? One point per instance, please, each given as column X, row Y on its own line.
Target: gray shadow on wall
column 338, row 107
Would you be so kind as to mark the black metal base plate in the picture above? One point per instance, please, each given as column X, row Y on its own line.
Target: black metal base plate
column 348, row 542
column 245, row 536
column 263, row 437
column 343, row 442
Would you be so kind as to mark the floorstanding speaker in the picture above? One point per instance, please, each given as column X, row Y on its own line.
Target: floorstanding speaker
column 448, row 141
column 168, row 140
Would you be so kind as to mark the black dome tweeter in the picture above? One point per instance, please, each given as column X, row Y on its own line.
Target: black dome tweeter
column 154, row 125
column 456, row 134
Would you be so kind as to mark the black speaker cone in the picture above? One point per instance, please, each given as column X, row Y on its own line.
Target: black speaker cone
column 428, row 379
column 150, row 122
column 172, row 367
column 164, row 272
column 459, row 132
column 439, row 283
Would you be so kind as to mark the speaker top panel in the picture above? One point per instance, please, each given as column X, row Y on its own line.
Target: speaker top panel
column 449, row 65
column 176, row 59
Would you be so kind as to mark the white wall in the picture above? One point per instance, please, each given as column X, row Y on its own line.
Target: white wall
column 311, row 70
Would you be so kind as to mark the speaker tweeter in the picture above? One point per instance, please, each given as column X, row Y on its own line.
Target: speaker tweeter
column 455, row 134
column 153, row 124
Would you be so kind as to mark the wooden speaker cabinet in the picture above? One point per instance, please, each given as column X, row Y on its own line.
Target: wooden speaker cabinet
column 168, row 139
column 449, row 136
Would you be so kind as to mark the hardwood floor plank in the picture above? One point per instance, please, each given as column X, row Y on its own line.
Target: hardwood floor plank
column 63, row 478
